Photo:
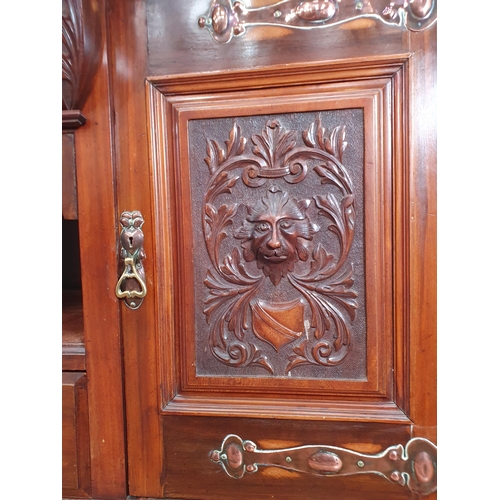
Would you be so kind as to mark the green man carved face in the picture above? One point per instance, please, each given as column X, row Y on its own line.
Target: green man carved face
column 275, row 233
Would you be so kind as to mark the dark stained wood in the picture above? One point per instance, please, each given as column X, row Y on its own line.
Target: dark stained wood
column 98, row 251
column 159, row 71
column 177, row 45
column 189, row 76
column 75, row 436
column 190, row 472
column 72, row 119
column 71, row 269
column 378, row 213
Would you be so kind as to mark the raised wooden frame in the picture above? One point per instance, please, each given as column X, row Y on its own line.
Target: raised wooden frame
column 379, row 87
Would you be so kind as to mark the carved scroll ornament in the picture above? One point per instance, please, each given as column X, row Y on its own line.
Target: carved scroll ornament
column 228, row 18
column 81, row 50
column 413, row 465
column 276, row 234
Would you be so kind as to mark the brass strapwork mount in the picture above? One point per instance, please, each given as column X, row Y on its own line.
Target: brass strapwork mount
column 413, row 465
column 228, row 18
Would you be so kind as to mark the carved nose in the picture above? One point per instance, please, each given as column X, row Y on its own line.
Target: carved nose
column 274, row 242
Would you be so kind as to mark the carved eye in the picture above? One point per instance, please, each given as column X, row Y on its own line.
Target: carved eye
column 286, row 224
column 262, row 227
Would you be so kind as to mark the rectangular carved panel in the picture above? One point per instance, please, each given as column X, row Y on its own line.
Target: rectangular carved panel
column 278, row 239
column 277, row 265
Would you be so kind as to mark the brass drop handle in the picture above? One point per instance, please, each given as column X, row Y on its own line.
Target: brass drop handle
column 413, row 465
column 132, row 283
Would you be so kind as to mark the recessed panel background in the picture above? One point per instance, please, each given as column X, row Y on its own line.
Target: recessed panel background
column 278, row 241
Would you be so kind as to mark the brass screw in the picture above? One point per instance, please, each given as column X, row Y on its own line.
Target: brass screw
column 395, row 475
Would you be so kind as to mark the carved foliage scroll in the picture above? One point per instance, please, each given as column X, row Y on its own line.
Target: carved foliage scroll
column 278, row 235
column 81, row 50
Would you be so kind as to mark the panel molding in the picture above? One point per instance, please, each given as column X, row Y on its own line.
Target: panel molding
column 378, row 84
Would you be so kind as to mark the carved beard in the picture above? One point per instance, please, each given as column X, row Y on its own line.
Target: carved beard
column 274, row 234
column 275, row 270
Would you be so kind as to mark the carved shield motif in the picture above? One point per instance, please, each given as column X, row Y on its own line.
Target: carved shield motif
column 278, row 324
column 281, row 236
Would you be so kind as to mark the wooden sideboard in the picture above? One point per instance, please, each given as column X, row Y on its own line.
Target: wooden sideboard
column 277, row 193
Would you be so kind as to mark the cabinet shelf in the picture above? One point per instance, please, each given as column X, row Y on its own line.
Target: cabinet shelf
column 73, row 344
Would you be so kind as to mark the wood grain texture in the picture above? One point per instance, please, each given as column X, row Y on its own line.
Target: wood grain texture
column 177, row 45
column 423, row 227
column 98, row 250
column 160, row 43
column 170, row 117
column 188, row 459
column 69, row 198
column 128, row 59
column 75, row 436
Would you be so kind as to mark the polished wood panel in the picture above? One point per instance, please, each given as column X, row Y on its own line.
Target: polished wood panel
column 177, row 45
column 160, row 43
column 423, row 234
column 367, row 90
column 191, row 473
column 75, row 436
column 128, row 59
column 98, row 223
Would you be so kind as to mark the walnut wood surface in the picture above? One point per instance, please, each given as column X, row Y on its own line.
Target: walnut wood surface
column 422, row 229
column 160, row 43
column 98, row 224
column 379, row 215
column 180, row 62
column 192, row 476
column 128, row 52
column 75, row 436
column 177, row 45
column 73, row 342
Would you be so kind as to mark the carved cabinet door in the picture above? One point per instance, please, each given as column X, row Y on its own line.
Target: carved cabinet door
column 275, row 169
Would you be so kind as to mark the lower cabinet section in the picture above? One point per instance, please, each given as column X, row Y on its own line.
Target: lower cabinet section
column 75, row 436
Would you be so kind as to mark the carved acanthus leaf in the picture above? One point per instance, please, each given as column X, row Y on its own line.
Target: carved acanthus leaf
column 232, row 289
column 316, row 137
column 217, row 156
column 273, row 144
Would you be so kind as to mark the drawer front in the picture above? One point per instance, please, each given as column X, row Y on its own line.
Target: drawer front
column 75, row 436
